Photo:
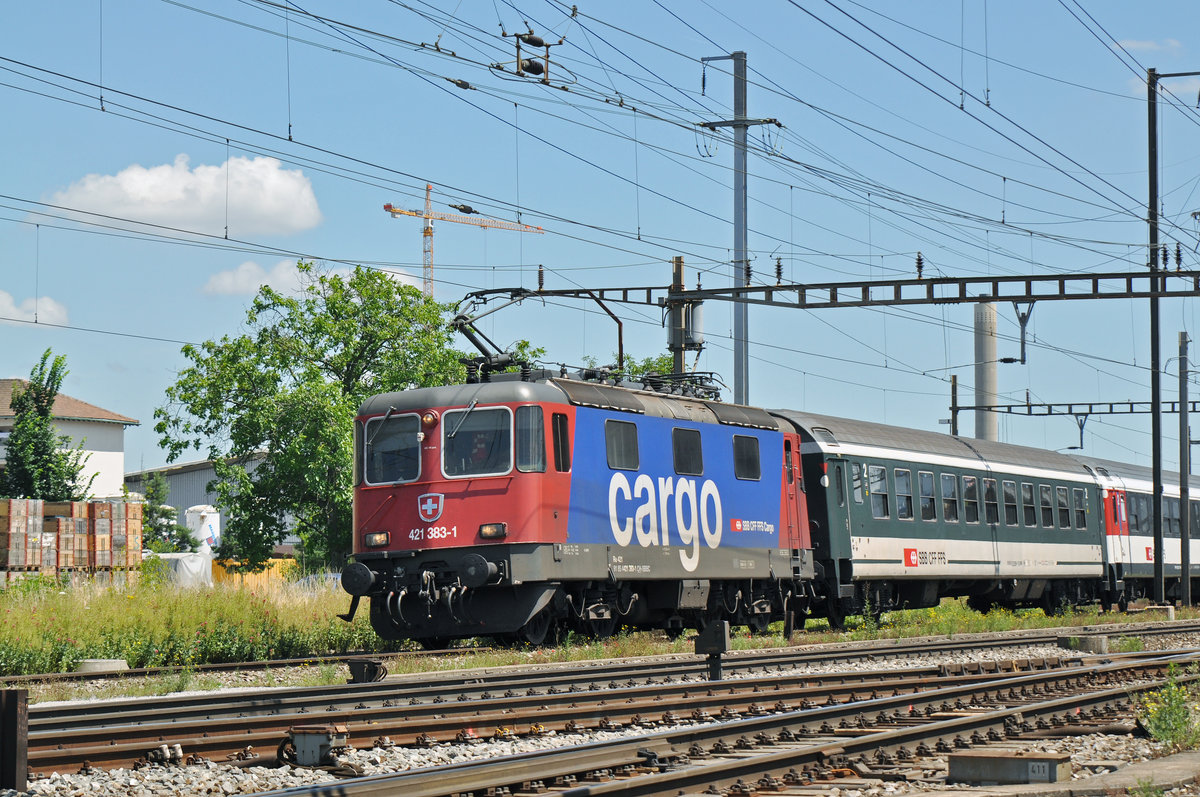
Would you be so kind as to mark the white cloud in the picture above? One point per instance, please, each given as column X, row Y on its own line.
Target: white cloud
column 284, row 277
column 1141, row 45
column 263, row 197
column 48, row 310
column 1175, row 90
column 250, row 276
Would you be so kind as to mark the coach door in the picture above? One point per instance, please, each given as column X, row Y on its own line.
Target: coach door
column 795, row 510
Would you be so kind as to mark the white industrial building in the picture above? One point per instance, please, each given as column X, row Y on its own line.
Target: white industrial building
column 187, row 486
column 101, row 431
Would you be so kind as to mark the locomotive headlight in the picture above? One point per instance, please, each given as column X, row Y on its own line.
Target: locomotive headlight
column 429, row 418
column 493, row 531
column 376, row 539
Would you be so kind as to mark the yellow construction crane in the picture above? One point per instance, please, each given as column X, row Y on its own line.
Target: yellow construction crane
column 463, row 217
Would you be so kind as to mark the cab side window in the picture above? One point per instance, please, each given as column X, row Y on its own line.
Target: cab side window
column 685, row 444
column 562, row 443
column 621, row 445
column 746, row 464
column 531, row 440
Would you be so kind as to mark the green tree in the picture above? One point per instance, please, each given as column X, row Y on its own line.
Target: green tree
column 660, row 363
column 636, row 368
column 274, row 406
column 163, row 533
column 40, row 463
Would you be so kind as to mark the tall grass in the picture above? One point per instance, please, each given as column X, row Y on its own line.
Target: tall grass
column 45, row 627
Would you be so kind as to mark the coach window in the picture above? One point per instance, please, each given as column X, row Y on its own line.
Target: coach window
column 970, row 499
column 1047, row 496
column 621, row 445
column 877, row 483
column 477, row 442
column 391, row 449
column 856, row 479
column 1010, row 503
column 1064, row 507
column 1080, row 508
column 531, row 440
column 1171, row 521
column 949, row 498
column 1138, row 507
column 991, row 502
column 689, row 461
column 746, row 464
column 904, row 505
column 841, row 484
column 562, row 443
column 928, row 502
column 1028, row 505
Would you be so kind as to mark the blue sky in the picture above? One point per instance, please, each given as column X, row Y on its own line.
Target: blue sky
column 233, row 137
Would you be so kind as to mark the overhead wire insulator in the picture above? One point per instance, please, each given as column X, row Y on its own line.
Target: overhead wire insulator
column 1165, row 256
column 530, row 66
column 1178, row 256
column 779, row 271
column 541, row 277
column 531, row 39
column 747, row 270
column 920, row 266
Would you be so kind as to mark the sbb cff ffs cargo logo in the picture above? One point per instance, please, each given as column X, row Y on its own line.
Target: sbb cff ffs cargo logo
column 910, row 557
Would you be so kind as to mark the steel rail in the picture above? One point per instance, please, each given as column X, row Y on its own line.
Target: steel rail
column 682, row 745
column 428, row 722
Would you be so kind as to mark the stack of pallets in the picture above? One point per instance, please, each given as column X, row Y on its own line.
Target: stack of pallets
column 73, row 540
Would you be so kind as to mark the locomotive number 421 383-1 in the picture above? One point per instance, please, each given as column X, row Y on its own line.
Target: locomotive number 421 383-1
column 434, row 533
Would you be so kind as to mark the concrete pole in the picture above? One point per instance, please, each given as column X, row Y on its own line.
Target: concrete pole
column 986, row 393
column 741, row 326
column 1185, row 469
column 1156, row 505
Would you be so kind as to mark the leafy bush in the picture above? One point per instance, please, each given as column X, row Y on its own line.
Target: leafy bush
column 1170, row 714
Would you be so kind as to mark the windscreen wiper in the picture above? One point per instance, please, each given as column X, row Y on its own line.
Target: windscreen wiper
column 463, row 420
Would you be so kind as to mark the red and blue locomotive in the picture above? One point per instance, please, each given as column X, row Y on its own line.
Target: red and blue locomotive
column 525, row 505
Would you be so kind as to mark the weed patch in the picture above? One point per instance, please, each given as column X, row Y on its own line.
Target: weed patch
column 1170, row 714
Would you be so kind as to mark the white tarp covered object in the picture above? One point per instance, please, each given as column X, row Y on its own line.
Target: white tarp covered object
column 188, row 569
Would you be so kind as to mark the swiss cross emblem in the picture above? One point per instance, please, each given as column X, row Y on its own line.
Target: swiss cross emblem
column 429, row 506
column 1149, row 554
column 910, row 557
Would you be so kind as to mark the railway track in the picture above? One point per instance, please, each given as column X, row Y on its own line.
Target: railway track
column 899, row 737
column 446, row 706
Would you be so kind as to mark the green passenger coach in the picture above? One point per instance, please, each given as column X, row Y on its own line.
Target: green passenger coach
column 906, row 517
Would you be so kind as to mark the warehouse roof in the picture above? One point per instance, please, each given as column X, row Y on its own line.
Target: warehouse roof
column 66, row 408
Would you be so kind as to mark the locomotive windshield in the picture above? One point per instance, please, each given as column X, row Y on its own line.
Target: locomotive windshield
column 393, row 451
column 477, row 442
